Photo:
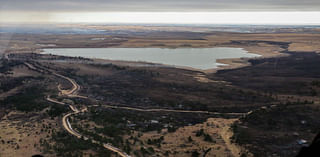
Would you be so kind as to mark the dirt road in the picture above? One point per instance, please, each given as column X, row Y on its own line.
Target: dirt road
column 65, row 119
column 73, row 92
column 169, row 110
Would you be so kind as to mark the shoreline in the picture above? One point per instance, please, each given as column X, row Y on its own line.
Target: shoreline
column 230, row 63
column 235, row 63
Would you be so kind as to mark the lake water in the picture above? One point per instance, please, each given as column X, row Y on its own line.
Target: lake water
column 198, row 58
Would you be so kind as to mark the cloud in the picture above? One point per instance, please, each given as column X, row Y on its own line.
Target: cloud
column 159, row 5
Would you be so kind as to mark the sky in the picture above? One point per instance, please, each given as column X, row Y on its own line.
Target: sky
column 162, row 11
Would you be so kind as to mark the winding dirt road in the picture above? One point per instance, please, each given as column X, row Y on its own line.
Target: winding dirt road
column 177, row 111
column 73, row 92
column 66, row 124
column 65, row 119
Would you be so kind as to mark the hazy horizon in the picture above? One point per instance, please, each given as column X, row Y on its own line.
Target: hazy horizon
column 256, row 18
column 288, row 12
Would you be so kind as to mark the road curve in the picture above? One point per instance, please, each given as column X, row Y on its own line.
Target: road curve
column 66, row 124
column 65, row 119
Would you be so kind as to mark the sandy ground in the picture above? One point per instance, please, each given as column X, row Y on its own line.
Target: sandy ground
column 20, row 137
column 178, row 145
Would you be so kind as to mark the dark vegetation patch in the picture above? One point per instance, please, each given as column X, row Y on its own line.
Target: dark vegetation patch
column 28, row 99
column 277, row 130
column 57, row 110
column 8, row 83
column 6, row 66
column 167, row 88
column 284, row 45
column 35, row 56
column 296, row 74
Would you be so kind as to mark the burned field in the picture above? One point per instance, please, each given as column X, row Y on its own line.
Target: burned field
column 162, row 87
column 135, row 89
column 268, row 108
column 281, row 94
column 280, row 129
column 297, row 74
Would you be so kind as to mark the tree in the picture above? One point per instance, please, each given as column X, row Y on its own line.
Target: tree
column 195, row 154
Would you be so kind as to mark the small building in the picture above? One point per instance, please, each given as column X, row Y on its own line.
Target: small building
column 302, row 141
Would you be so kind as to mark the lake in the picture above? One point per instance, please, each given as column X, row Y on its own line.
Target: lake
column 198, row 58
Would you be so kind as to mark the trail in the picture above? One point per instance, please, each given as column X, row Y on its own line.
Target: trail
column 226, row 135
